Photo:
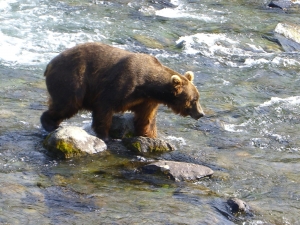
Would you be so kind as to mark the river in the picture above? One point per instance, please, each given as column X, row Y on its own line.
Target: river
column 249, row 89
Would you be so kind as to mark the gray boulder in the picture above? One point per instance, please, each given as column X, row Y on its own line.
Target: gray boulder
column 284, row 4
column 68, row 142
column 146, row 146
column 178, row 171
column 288, row 36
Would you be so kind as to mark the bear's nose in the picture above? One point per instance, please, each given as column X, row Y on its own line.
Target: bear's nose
column 199, row 116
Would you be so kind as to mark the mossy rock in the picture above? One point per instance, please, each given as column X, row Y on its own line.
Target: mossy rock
column 145, row 146
column 148, row 42
column 68, row 142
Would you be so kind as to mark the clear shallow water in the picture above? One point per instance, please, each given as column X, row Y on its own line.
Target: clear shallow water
column 249, row 89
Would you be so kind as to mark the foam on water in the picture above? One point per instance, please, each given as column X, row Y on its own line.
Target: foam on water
column 232, row 127
column 181, row 141
column 293, row 100
column 28, row 51
column 276, row 106
column 175, row 2
column 207, row 44
column 24, row 42
column 179, row 13
column 184, row 11
column 4, row 6
column 221, row 48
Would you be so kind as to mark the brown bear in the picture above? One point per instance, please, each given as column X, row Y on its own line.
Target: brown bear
column 106, row 80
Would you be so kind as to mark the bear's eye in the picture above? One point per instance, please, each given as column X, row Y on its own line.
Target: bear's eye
column 195, row 100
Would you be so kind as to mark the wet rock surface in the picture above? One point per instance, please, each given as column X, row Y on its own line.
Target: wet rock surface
column 238, row 206
column 288, row 35
column 68, row 142
column 284, row 4
column 183, row 157
column 178, row 171
column 146, row 146
column 236, row 210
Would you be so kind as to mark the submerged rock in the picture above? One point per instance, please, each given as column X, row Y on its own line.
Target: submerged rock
column 288, row 36
column 146, row 145
column 178, row 171
column 68, row 142
column 148, row 41
column 238, row 206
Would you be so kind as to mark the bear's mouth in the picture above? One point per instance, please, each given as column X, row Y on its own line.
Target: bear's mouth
column 198, row 116
column 196, row 112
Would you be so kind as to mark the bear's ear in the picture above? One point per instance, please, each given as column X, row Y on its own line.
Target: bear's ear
column 189, row 75
column 176, row 80
column 177, row 84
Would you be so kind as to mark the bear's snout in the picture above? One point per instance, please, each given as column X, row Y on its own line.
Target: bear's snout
column 197, row 111
column 198, row 115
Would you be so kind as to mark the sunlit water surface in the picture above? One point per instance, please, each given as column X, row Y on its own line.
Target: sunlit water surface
column 249, row 90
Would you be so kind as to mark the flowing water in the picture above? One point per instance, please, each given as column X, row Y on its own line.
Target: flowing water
column 249, row 89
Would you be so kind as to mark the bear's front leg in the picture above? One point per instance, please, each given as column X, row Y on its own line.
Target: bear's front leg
column 101, row 123
column 145, row 120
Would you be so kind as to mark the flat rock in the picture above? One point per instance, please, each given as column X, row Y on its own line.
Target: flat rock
column 70, row 141
column 145, row 146
column 178, row 171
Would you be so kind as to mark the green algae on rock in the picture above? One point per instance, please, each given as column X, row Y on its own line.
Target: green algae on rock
column 146, row 145
column 68, row 142
column 148, row 41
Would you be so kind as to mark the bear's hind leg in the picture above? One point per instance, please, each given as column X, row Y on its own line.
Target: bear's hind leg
column 101, row 123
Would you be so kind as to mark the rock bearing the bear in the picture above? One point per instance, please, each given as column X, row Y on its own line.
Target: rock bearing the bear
column 107, row 80
column 68, row 142
column 147, row 146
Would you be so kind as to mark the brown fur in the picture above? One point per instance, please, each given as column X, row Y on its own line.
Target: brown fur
column 106, row 80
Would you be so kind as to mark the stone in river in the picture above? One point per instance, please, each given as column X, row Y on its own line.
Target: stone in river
column 68, row 142
column 145, row 145
column 238, row 206
column 290, row 5
column 178, row 171
column 282, row 4
column 288, row 36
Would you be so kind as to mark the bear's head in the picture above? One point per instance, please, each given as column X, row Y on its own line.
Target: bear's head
column 186, row 101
